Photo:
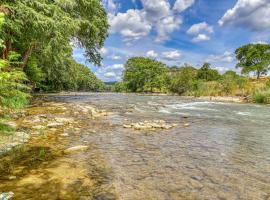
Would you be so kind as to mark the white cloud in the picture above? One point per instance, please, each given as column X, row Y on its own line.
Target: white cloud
column 154, row 10
column 260, row 42
column 200, row 27
column 110, row 6
column 166, row 26
column 131, row 25
column 253, row 14
column 110, row 73
column 201, row 38
column 156, row 15
column 151, row 54
column 115, row 57
column 103, row 51
column 201, row 30
column 227, row 57
column 171, row 55
column 181, row 5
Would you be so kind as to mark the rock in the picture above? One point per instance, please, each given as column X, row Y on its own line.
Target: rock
column 195, row 184
column 38, row 127
column 127, row 126
column 186, row 124
column 55, row 124
column 64, row 134
column 12, row 178
column 76, row 149
column 64, row 120
column 6, row 196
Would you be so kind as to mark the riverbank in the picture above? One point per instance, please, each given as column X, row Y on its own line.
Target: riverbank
column 231, row 99
column 192, row 149
column 48, row 157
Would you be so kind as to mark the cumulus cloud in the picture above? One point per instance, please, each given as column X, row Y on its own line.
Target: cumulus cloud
column 156, row 16
column 131, row 25
column 201, row 38
column 181, row 5
column 110, row 73
column 151, row 54
column 200, row 27
column 166, row 26
column 171, row 55
column 201, row 31
column 103, row 51
column 155, row 10
column 253, row 14
column 227, row 57
column 110, row 6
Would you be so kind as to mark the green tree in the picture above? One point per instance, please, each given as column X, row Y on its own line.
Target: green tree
column 254, row 58
column 13, row 91
column 207, row 74
column 144, row 74
column 46, row 32
column 183, row 80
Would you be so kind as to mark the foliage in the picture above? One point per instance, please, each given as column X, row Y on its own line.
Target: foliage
column 45, row 32
column 254, row 58
column 6, row 129
column 183, row 79
column 207, row 74
column 144, row 75
column 262, row 96
column 13, row 91
column 120, row 87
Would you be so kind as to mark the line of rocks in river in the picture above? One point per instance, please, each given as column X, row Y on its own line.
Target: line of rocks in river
column 150, row 125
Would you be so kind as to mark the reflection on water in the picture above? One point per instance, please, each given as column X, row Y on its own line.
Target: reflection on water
column 224, row 154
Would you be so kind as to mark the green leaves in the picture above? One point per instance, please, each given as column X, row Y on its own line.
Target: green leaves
column 144, row 74
column 254, row 58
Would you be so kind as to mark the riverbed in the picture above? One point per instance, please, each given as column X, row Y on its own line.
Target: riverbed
column 218, row 150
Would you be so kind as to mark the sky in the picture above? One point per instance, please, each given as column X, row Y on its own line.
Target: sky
column 179, row 31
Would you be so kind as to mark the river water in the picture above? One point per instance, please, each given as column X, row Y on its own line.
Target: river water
column 223, row 154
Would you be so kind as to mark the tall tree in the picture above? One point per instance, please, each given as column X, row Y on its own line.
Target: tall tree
column 207, row 74
column 144, row 74
column 254, row 58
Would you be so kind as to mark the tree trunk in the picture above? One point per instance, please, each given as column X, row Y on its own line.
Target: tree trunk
column 6, row 50
column 258, row 74
column 26, row 56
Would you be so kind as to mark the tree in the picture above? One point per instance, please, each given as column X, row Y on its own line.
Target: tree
column 13, row 91
column 183, row 80
column 207, row 74
column 44, row 33
column 144, row 74
column 254, row 58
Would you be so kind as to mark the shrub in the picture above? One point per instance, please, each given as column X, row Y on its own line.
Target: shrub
column 262, row 96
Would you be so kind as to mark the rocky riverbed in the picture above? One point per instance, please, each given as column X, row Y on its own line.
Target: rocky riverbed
column 117, row 146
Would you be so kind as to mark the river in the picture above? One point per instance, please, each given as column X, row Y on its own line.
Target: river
column 223, row 153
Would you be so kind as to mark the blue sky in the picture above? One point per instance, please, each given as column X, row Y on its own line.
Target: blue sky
column 180, row 31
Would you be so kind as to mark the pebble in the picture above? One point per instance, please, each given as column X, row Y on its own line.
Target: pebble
column 76, row 149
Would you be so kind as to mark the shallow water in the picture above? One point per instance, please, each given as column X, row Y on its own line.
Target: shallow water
column 223, row 154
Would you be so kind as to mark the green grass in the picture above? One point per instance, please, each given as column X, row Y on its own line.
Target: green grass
column 6, row 129
column 262, row 97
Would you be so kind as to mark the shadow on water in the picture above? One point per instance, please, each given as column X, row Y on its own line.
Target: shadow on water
column 39, row 172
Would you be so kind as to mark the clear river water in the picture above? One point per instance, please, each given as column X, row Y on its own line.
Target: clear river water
column 224, row 153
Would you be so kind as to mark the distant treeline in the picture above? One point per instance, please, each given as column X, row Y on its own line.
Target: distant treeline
column 148, row 75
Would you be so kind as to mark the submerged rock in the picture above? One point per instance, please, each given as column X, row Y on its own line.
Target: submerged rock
column 150, row 125
column 76, row 149
column 6, row 196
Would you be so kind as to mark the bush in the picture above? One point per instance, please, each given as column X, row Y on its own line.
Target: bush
column 262, row 96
